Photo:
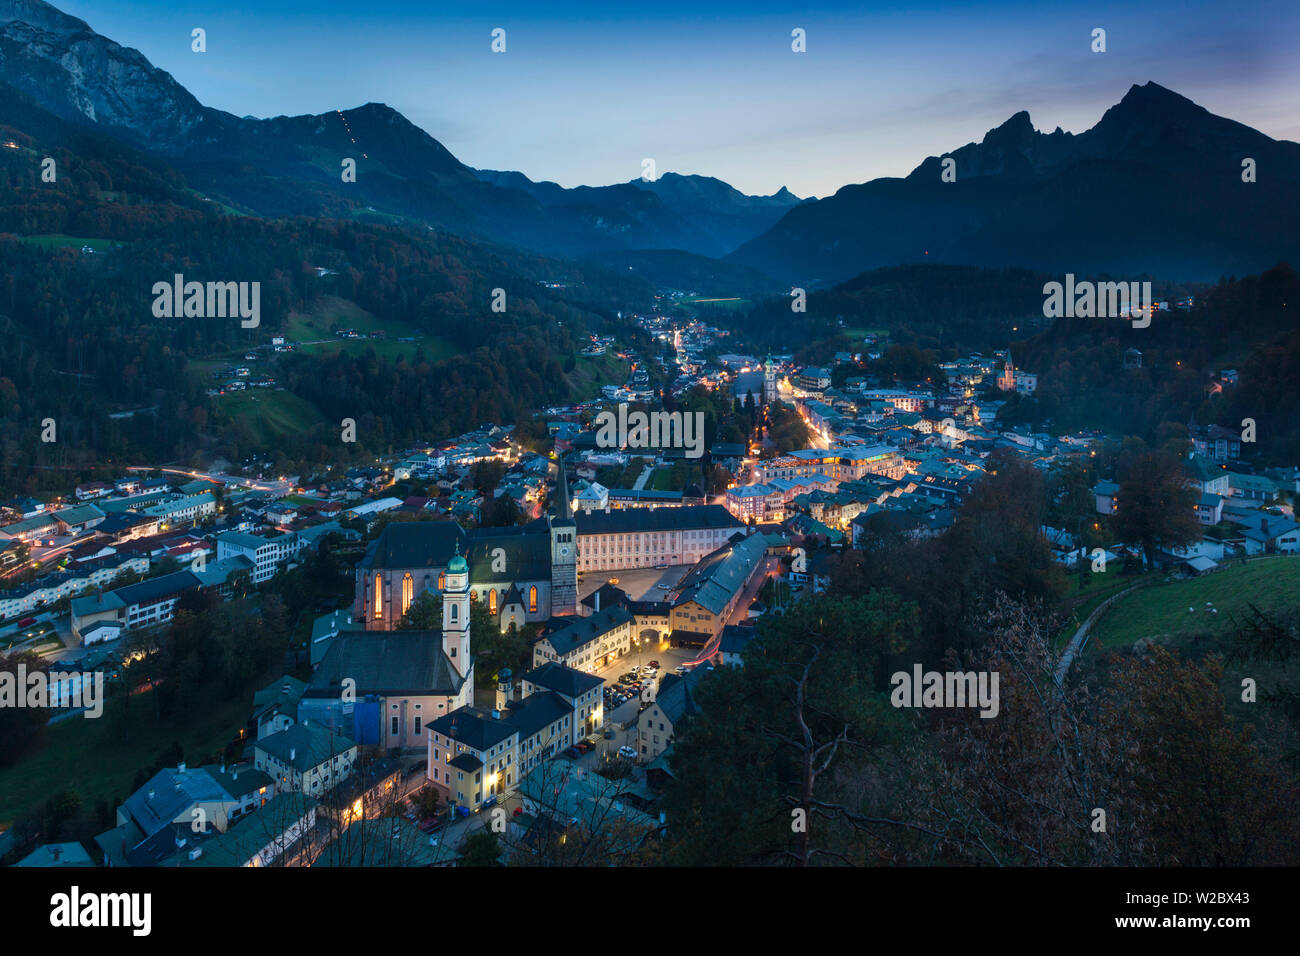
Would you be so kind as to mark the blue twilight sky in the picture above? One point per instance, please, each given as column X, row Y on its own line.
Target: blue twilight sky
column 586, row 90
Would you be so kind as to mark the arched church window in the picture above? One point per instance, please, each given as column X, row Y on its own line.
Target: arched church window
column 492, row 601
column 442, row 581
column 532, row 599
column 379, row 597
column 408, row 592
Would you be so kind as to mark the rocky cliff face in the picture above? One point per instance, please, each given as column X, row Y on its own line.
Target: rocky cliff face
column 75, row 73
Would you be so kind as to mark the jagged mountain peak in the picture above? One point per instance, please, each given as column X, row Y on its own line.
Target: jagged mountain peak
column 1017, row 125
column 78, row 74
column 41, row 15
column 1055, row 201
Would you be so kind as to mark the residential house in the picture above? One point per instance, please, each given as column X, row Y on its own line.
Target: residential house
column 673, row 706
column 305, row 758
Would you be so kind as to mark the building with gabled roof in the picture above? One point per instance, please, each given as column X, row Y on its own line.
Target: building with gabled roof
column 711, row 590
column 673, row 706
column 305, row 758
column 166, row 813
column 586, row 643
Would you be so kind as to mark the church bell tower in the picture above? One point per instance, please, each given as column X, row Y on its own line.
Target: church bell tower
column 455, row 618
column 564, row 549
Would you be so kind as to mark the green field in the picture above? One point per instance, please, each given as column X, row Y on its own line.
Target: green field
column 1078, row 604
column 735, row 303
column 270, row 412
column 1160, row 612
column 589, row 374
column 669, row 479
column 333, row 312
column 99, row 758
column 76, row 242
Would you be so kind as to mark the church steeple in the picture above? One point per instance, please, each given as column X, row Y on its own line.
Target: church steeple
column 563, row 510
column 564, row 549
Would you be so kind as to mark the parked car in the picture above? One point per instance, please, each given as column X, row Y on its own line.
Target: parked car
column 654, row 664
column 573, row 752
column 609, row 733
column 627, row 752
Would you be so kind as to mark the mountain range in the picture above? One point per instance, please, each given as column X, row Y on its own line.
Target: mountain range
column 1156, row 187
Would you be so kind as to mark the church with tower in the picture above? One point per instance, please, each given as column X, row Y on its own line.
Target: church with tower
column 386, row 689
column 521, row 574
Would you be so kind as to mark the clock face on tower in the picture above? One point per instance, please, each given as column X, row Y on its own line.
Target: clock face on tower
column 564, row 552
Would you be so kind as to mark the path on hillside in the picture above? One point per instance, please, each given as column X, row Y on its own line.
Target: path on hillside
column 643, row 477
column 1081, row 635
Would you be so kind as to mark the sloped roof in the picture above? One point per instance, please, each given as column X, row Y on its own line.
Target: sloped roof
column 676, row 694
column 476, row 729
column 584, row 630
column 387, row 662
column 718, row 576
column 305, row 745
column 631, row 520
column 563, row 680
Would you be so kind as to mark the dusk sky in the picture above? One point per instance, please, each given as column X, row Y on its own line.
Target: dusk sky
column 586, row 90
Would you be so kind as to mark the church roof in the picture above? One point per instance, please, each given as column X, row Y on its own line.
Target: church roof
column 387, row 662
column 521, row 553
column 415, row 544
column 525, row 551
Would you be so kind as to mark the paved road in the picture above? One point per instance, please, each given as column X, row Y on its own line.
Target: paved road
column 643, row 478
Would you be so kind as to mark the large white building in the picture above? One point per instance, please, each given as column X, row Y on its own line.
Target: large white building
column 648, row 538
column 265, row 553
